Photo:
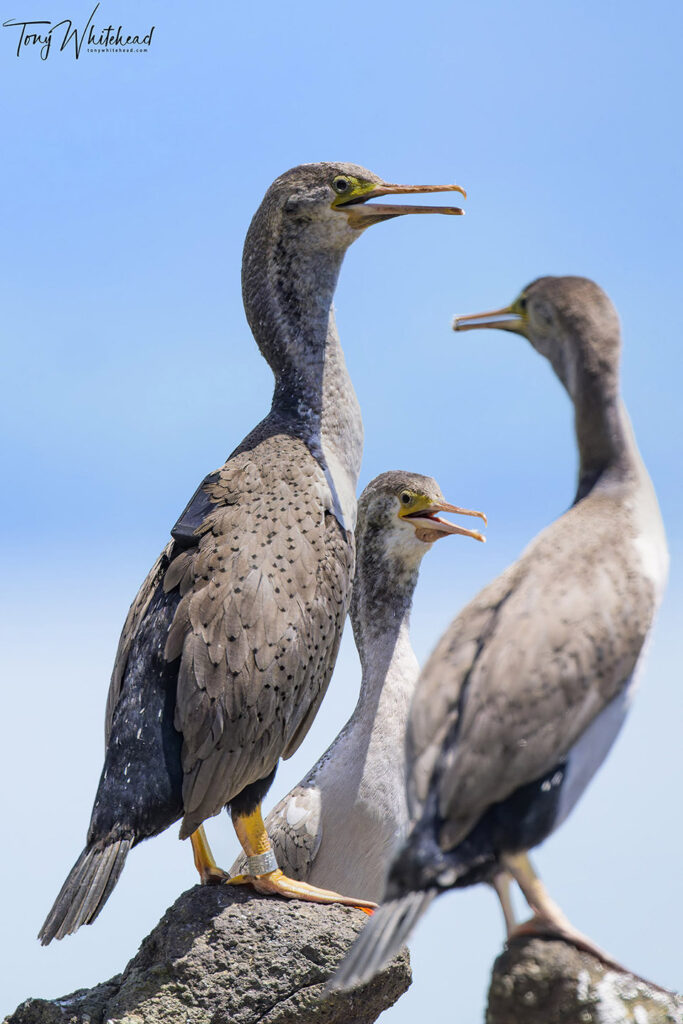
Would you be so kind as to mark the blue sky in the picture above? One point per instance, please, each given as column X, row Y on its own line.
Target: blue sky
column 128, row 182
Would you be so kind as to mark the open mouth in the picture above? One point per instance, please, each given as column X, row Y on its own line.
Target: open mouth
column 507, row 319
column 429, row 525
column 361, row 212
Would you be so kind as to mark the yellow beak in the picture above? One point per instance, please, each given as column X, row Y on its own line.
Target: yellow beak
column 429, row 527
column 506, row 319
column 361, row 214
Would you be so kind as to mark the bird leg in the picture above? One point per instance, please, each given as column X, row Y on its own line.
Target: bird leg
column 548, row 920
column 501, row 883
column 253, row 836
column 209, row 872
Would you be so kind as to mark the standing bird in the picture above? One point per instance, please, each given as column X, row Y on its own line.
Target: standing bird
column 343, row 822
column 228, row 648
column 526, row 691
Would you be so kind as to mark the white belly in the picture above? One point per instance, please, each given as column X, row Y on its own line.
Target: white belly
column 356, row 857
column 588, row 753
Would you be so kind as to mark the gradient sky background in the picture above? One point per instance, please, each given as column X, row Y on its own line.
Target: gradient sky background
column 128, row 182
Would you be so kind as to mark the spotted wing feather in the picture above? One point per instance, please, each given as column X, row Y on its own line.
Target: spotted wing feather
column 259, row 623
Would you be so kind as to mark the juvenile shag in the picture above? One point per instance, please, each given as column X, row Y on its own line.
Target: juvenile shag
column 526, row 691
column 228, row 647
column 340, row 826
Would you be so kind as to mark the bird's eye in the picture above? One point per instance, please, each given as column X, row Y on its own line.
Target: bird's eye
column 341, row 185
column 522, row 304
column 406, row 498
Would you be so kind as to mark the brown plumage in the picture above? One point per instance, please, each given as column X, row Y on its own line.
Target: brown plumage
column 259, row 623
column 562, row 660
column 229, row 646
column 520, row 702
column 339, row 826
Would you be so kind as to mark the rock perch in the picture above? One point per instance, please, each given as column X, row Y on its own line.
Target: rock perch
column 541, row 981
column 224, row 955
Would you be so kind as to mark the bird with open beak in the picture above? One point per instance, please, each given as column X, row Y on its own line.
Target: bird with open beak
column 229, row 646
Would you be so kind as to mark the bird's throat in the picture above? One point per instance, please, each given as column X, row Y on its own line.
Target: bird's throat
column 604, row 439
column 288, row 294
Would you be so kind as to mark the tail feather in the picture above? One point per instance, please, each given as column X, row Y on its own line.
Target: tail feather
column 86, row 890
column 117, row 868
column 89, row 888
column 381, row 939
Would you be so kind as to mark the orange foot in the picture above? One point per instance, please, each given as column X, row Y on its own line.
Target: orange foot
column 209, row 872
column 278, row 884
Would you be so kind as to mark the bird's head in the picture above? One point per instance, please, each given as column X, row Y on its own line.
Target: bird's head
column 398, row 521
column 401, row 512
column 329, row 204
column 569, row 320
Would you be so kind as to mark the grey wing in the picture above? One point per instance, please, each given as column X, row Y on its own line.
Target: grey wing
column 295, row 829
column 254, row 629
column 436, row 706
column 136, row 614
column 559, row 646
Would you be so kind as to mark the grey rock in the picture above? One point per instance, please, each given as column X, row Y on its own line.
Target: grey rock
column 541, row 981
column 224, row 954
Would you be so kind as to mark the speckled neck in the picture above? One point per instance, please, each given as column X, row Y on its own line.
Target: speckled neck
column 288, row 287
column 380, row 616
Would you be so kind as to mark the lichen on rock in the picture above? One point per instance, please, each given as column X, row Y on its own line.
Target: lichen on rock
column 541, row 981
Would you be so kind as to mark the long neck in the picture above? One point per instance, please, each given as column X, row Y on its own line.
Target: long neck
column 380, row 615
column 603, row 434
column 288, row 292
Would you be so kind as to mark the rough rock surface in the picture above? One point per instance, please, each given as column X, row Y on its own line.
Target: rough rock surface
column 227, row 956
column 538, row 981
column 224, row 955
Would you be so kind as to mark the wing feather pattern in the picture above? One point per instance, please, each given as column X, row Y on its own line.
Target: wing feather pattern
column 526, row 667
column 264, row 597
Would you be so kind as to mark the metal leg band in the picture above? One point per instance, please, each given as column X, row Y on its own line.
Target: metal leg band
column 262, row 863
